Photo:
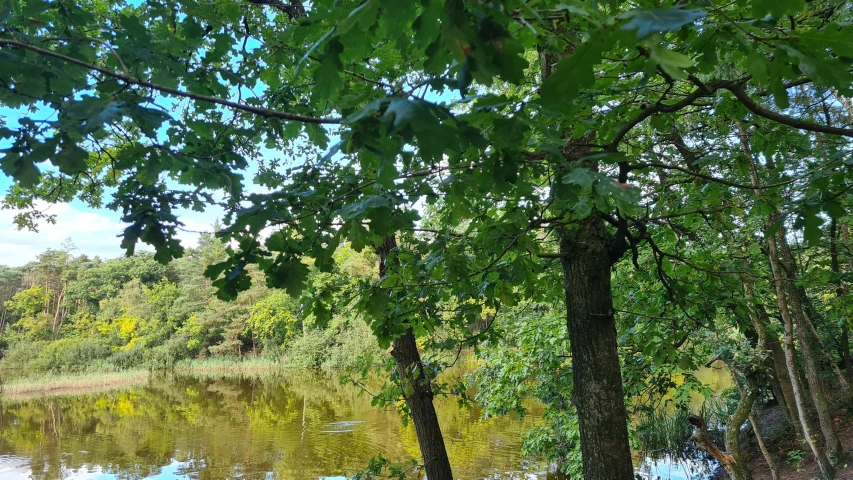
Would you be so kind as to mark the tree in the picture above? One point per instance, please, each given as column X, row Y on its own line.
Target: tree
column 590, row 121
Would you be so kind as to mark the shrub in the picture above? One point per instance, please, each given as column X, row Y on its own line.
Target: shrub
column 22, row 355
column 170, row 352
column 131, row 357
column 352, row 341
column 71, row 353
column 309, row 350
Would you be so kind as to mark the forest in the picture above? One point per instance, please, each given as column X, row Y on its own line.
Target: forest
column 591, row 201
column 67, row 312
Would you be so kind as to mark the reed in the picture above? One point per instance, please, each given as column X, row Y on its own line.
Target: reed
column 53, row 385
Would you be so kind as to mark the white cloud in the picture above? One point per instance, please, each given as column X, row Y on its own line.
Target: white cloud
column 93, row 232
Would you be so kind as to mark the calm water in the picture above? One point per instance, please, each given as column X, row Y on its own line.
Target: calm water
column 303, row 425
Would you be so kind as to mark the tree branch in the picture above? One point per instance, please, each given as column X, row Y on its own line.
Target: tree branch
column 757, row 109
column 264, row 112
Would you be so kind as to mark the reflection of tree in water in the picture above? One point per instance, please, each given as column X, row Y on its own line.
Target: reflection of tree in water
column 298, row 425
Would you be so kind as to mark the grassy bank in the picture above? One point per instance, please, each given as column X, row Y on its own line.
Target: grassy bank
column 221, row 366
column 52, row 385
column 31, row 385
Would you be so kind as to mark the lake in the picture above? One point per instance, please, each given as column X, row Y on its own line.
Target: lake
column 297, row 425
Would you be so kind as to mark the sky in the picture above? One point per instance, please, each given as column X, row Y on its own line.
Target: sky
column 93, row 231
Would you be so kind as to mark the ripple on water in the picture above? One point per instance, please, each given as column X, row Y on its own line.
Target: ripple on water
column 12, row 467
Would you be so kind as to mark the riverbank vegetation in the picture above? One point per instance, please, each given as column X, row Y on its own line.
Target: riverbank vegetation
column 596, row 198
column 67, row 312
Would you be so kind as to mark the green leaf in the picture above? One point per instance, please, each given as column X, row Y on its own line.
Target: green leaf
column 654, row 20
column 363, row 15
column 835, row 37
column 110, row 113
column 290, row 275
column 583, row 177
column 825, row 71
column 22, row 169
column 387, row 172
column 833, row 208
column 6, row 11
column 367, row 110
column 573, row 73
column 756, row 64
column 673, row 63
column 357, row 210
column 358, row 236
column 149, row 119
column 328, row 75
column 810, row 222
column 464, row 78
column 776, row 8
column 71, row 160
column 311, row 51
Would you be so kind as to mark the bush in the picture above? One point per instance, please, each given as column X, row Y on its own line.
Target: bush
column 309, row 350
column 22, row 355
column 71, row 353
column 172, row 351
column 352, row 341
column 128, row 358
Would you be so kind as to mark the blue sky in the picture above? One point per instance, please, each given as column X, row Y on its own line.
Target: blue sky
column 93, row 231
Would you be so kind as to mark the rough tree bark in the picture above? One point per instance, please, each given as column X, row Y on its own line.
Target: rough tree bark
column 597, row 377
column 598, row 394
column 417, row 387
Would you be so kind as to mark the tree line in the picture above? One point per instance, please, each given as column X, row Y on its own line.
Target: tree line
column 67, row 312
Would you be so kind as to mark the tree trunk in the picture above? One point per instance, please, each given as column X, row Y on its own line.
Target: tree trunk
column 597, row 393
column 417, row 387
column 417, row 390
column 768, row 457
column 596, row 373
column 816, row 387
column 56, row 323
column 779, row 376
column 840, row 291
column 812, row 315
column 732, row 460
column 823, row 463
column 826, row 468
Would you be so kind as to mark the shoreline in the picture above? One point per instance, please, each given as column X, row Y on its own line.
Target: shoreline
column 34, row 385
column 64, row 384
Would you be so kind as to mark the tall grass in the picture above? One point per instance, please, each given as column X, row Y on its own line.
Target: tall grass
column 52, row 385
column 663, row 434
column 226, row 366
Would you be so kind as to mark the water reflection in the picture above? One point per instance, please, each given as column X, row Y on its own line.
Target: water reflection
column 297, row 425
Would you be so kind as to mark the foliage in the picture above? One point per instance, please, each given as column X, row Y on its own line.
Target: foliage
column 154, row 315
column 272, row 319
column 484, row 138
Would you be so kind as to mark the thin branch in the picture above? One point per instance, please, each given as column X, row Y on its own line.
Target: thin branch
column 757, row 109
column 264, row 112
